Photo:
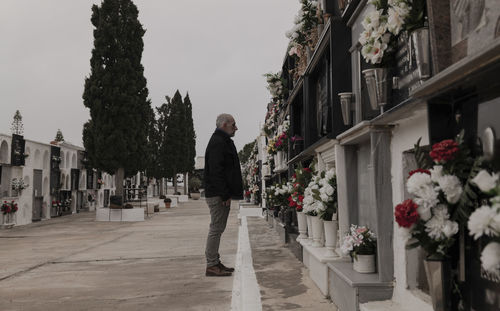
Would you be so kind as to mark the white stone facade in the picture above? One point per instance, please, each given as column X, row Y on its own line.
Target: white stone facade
column 38, row 162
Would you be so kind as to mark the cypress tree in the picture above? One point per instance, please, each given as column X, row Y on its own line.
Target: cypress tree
column 189, row 140
column 174, row 148
column 189, row 137
column 17, row 127
column 162, row 148
column 59, row 136
column 116, row 92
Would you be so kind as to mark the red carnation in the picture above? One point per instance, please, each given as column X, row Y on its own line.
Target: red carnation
column 291, row 202
column 406, row 213
column 419, row 170
column 444, row 151
column 307, row 169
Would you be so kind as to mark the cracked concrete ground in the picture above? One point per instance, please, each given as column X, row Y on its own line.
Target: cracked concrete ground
column 75, row 263
column 283, row 280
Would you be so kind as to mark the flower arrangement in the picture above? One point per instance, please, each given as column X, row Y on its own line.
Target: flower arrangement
column 431, row 217
column 282, row 193
column 281, row 143
column 18, row 184
column 376, row 37
column 9, row 207
column 271, row 119
column 276, row 86
column 300, row 179
column 359, row 241
column 303, row 34
column 56, row 204
column 312, row 203
column 305, row 21
column 382, row 25
column 321, row 195
column 484, row 222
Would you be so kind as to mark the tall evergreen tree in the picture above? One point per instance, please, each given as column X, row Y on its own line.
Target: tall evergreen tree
column 174, row 149
column 162, row 164
column 17, row 127
column 189, row 136
column 59, row 136
column 116, row 92
column 189, row 140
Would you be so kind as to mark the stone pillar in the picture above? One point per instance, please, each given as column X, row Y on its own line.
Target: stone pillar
column 382, row 199
column 346, row 167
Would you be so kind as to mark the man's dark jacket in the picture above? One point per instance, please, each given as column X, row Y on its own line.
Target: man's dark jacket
column 222, row 175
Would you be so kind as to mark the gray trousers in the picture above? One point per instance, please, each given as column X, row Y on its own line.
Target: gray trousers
column 218, row 216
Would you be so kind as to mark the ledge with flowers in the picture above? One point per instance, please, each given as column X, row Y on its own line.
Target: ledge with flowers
column 454, row 210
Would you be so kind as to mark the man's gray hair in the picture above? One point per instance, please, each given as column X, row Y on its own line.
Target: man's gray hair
column 222, row 118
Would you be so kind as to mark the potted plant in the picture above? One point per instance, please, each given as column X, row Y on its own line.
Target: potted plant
column 300, row 179
column 247, row 196
column 312, row 204
column 194, row 187
column 361, row 244
column 328, row 195
column 167, row 202
column 8, row 210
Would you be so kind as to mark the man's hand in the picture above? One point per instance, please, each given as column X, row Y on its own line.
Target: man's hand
column 226, row 203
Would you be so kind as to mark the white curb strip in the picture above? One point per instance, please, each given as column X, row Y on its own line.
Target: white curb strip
column 246, row 291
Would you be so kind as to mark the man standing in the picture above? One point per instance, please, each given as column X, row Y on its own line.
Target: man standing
column 223, row 181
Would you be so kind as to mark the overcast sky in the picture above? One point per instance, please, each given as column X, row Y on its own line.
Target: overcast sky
column 217, row 50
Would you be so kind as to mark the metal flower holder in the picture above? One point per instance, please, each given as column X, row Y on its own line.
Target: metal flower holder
column 439, row 278
column 420, row 43
column 346, row 105
column 376, row 83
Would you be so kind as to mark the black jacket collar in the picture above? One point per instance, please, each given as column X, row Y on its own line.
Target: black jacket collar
column 222, row 133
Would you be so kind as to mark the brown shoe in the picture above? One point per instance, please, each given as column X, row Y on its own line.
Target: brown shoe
column 217, row 271
column 225, row 268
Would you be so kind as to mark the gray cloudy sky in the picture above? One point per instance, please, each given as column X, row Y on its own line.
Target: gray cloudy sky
column 217, row 50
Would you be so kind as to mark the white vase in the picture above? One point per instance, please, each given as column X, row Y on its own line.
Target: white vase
column 309, row 229
column 330, row 237
column 302, row 221
column 317, row 231
column 364, row 263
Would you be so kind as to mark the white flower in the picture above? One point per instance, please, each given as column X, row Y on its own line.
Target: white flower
column 484, row 220
column 495, row 224
column 490, row 258
column 485, row 181
column 441, row 211
column 436, row 173
column 452, row 188
column 319, row 206
column 324, row 197
column 424, row 208
column 450, row 228
column 329, row 190
column 417, row 182
column 330, row 174
column 396, row 20
column 379, row 31
column 434, row 227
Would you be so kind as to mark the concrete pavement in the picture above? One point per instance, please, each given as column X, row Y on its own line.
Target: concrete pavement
column 76, row 263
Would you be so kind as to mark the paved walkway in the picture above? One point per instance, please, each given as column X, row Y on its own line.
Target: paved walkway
column 75, row 263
